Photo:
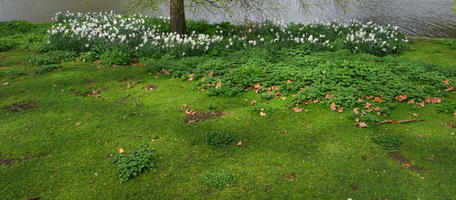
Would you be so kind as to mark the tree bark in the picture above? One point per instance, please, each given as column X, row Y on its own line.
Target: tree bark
column 177, row 12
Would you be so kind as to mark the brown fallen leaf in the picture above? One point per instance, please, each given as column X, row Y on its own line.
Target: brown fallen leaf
column 421, row 104
column 333, row 106
column 121, row 151
column 341, row 109
column 450, row 88
column 446, row 81
column 190, row 112
column 288, row 81
column 356, row 111
column 239, row 143
column 257, row 86
column 253, row 103
column 78, row 124
column 363, row 125
column 211, row 74
column 5, row 84
column 298, row 109
column 306, row 111
column 263, row 114
column 283, row 98
column 411, row 101
column 316, row 101
column 420, row 135
column 432, row 159
column 433, row 100
column 154, row 140
column 378, row 99
column 401, row 98
column 416, row 115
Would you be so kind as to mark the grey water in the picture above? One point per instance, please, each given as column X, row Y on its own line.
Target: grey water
column 429, row 18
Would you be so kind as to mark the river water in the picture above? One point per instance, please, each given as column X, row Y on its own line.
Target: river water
column 432, row 18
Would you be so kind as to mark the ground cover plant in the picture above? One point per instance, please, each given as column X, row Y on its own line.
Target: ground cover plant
column 296, row 112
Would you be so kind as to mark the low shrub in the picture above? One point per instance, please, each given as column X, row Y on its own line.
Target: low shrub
column 217, row 179
column 42, row 60
column 46, row 68
column 115, row 57
column 89, row 56
column 388, row 142
column 447, row 107
column 130, row 165
column 6, row 45
column 218, row 138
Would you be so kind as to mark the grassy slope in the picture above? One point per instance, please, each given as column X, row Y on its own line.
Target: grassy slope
column 327, row 155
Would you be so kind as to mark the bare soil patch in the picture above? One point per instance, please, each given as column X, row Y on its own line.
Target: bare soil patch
column 16, row 107
column 401, row 159
column 203, row 116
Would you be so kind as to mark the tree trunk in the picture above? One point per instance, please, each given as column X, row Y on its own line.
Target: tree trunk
column 177, row 12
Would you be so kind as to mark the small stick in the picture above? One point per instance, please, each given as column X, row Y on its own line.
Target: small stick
column 399, row 122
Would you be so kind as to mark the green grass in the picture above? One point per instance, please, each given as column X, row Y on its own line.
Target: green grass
column 316, row 155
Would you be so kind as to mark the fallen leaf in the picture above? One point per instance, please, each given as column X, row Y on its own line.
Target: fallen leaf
column 341, row 109
column 432, row 159
column 219, row 84
column 363, row 125
column 367, row 105
column 239, row 143
column 191, row 112
column 306, row 111
column 253, row 103
column 315, row 101
column 257, row 86
column 128, row 85
column 450, row 88
column 401, row 98
column 416, row 115
column 446, row 81
column 333, row 106
column 211, row 73
column 263, row 114
column 356, row 111
column 5, row 83
column 378, row 99
column 121, row 151
column 298, row 109
column 78, row 124
column 421, row 104
column 420, row 135
column 154, row 140
column 407, row 165
column 288, row 176
column 411, row 101
column 433, row 100
column 155, row 76
column 283, row 98
column 288, row 81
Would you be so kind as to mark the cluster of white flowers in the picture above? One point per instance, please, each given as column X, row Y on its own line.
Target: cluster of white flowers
column 107, row 29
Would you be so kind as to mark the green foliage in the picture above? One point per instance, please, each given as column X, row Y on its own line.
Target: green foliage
column 447, row 107
column 15, row 27
column 388, row 142
column 217, row 179
column 6, row 45
column 89, row 56
column 130, row 165
column 46, row 68
column 115, row 57
column 218, row 138
column 53, row 57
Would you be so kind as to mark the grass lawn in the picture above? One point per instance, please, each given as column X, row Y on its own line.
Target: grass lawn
column 58, row 146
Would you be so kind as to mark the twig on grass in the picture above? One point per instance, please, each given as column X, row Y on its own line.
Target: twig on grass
column 399, row 122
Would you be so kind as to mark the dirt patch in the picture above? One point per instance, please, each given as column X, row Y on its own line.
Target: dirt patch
column 9, row 161
column 203, row 116
column 401, row 159
column 450, row 124
column 16, row 107
column 150, row 87
column 91, row 92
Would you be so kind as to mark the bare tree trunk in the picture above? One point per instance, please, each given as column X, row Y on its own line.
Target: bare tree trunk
column 177, row 12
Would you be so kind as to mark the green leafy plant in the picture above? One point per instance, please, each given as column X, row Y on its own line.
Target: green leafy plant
column 218, row 138
column 388, row 142
column 130, row 165
column 115, row 57
column 89, row 56
column 447, row 107
column 46, row 68
column 217, row 179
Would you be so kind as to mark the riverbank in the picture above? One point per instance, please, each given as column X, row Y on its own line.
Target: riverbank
column 65, row 120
